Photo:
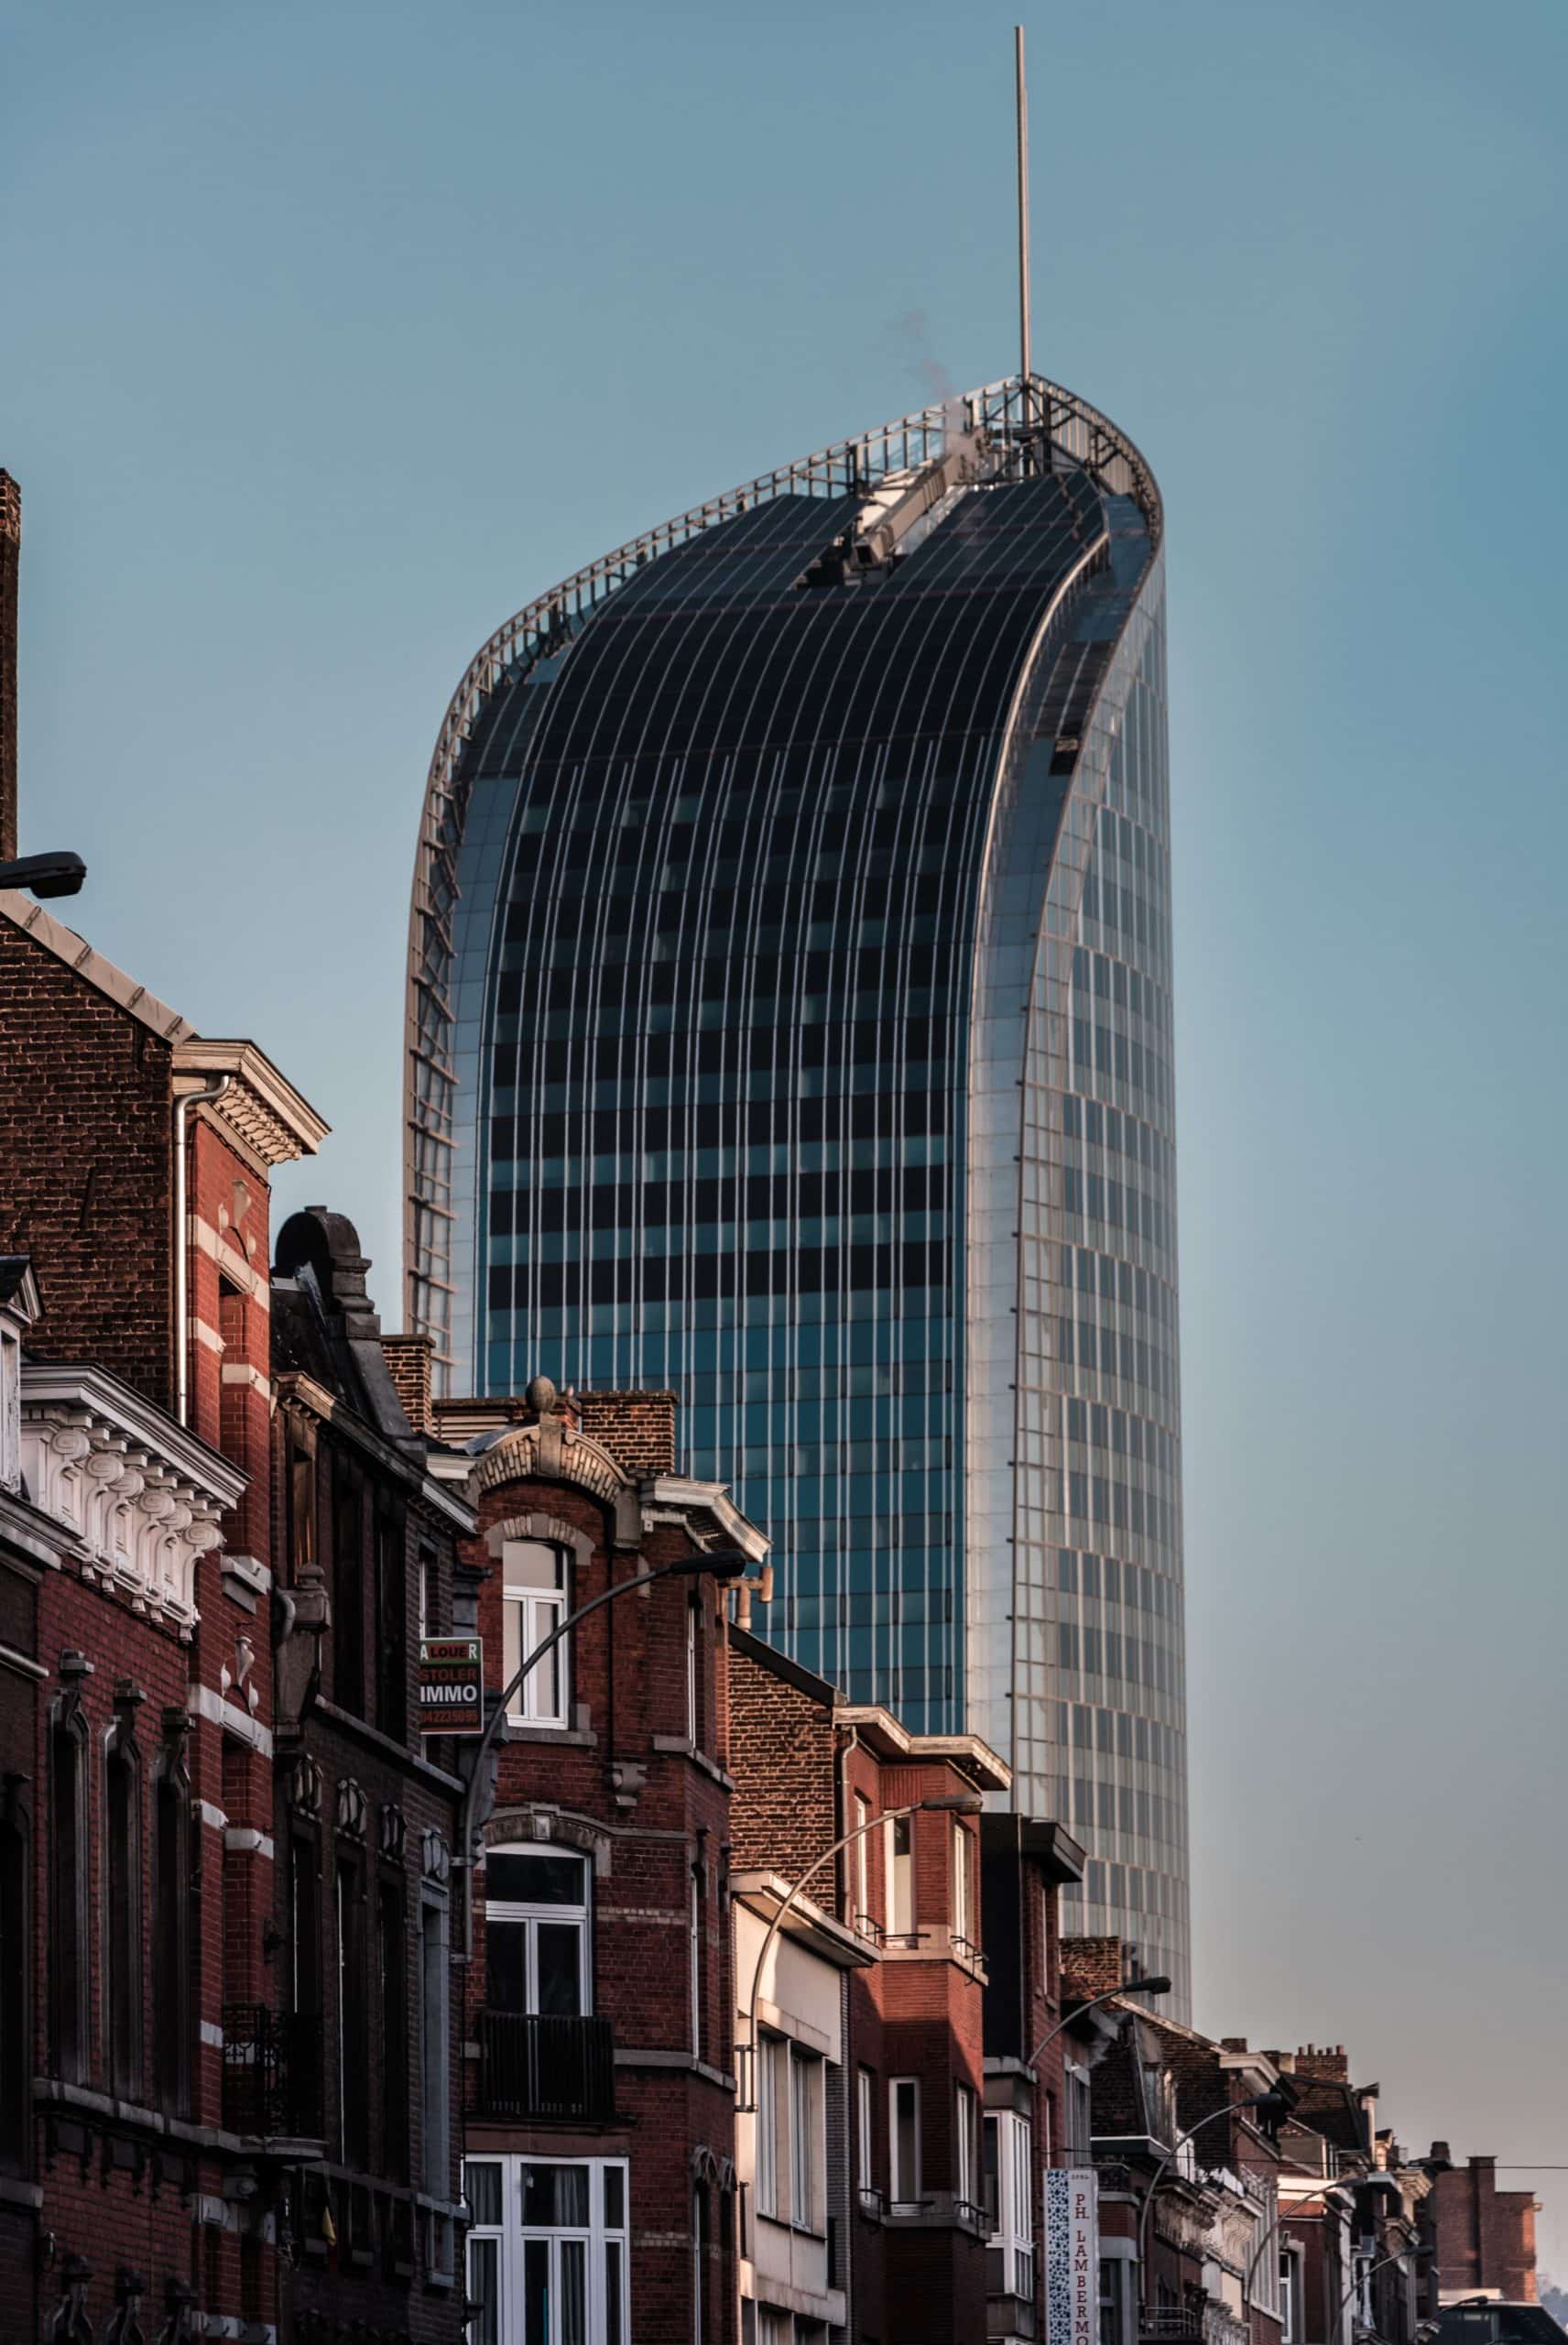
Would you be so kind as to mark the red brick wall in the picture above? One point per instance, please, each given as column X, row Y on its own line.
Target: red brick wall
column 625, row 1791
column 86, row 1147
column 782, row 1744
column 1486, row 2237
column 636, row 1428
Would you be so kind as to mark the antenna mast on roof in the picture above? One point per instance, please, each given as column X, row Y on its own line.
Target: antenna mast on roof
column 1023, row 221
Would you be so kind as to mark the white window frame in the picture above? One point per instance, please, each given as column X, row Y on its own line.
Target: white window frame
column 608, row 2323
column 900, row 1877
column 435, row 2044
column 965, row 2179
column 862, row 1914
column 531, row 1609
column 865, row 2129
column 1290, row 2293
column 963, row 1883
column 903, row 2189
column 693, row 1648
column 1014, row 2234
column 1078, row 2116
column 515, row 1911
column 790, row 2179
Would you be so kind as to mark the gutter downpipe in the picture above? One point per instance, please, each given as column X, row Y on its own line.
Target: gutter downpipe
column 186, row 1099
column 851, row 2111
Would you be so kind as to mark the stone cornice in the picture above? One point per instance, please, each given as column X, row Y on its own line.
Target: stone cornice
column 141, row 1497
column 260, row 1108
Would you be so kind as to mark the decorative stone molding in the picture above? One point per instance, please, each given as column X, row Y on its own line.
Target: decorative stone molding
column 549, row 1447
column 352, row 1808
column 437, row 1855
column 305, row 1785
column 144, row 1498
column 709, row 2166
column 393, row 1831
column 548, row 1527
column 510, row 1825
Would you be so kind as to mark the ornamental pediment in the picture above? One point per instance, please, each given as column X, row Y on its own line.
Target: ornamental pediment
column 142, row 1499
column 553, row 1450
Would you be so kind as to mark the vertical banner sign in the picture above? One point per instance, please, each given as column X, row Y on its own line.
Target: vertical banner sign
column 1071, row 2255
column 451, row 1685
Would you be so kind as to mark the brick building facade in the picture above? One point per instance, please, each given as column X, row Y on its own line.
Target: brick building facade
column 365, row 1819
column 1483, row 2239
column 811, row 1771
column 134, row 1161
column 600, row 2091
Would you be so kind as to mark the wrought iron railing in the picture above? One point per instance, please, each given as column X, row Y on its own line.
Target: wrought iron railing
column 545, row 2068
column 272, row 2072
column 1170, row 2326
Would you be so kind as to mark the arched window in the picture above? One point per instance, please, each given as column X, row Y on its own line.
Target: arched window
column 537, row 1912
column 172, row 1890
column 533, row 1603
column 123, row 1912
column 69, row 1966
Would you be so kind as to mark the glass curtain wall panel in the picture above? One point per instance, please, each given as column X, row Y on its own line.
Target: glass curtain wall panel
column 789, row 1025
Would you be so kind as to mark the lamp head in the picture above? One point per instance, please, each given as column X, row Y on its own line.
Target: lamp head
column 58, row 874
column 1154, row 1985
column 724, row 1562
column 953, row 1804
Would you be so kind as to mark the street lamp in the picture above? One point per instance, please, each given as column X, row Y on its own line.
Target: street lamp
column 60, row 873
column 939, row 1803
column 725, row 1564
column 1153, row 1985
column 1271, row 2099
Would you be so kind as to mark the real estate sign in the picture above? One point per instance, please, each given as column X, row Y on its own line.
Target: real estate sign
column 1071, row 2255
column 451, row 1685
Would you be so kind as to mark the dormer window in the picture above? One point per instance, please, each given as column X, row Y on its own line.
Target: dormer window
column 533, row 1595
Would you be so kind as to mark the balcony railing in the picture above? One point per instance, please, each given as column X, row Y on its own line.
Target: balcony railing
column 1170, row 2327
column 272, row 2072
column 532, row 2066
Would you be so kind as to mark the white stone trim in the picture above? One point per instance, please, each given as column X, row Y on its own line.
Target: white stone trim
column 143, row 1496
column 206, row 1334
column 212, row 2033
column 242, row 1372
column 213, row 1817
column 249, row 1841
column 208, row 1703
column 253, row 1283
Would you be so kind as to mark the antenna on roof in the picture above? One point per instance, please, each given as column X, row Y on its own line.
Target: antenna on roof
column 1023, row 218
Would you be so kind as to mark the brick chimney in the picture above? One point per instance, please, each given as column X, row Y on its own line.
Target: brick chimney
column 10, row 560
column 1092, row 1967
column 636, row 1428
column 1326, row 2061
column 407, row 1362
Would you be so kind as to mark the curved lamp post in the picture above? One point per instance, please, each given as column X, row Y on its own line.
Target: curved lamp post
column 725, row 1564
column 1281, row 2212
column 1153, row 1985
column 1231, row 2109
column 1360, row 2282
column 942, row 1803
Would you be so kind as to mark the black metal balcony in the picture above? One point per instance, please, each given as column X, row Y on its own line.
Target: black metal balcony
column 272, row 2072
column 529, row 2067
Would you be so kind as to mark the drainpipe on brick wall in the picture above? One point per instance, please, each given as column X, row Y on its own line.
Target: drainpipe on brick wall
column 214, row 1090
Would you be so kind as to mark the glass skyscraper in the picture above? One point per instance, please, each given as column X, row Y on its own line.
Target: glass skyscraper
column 790, row 1024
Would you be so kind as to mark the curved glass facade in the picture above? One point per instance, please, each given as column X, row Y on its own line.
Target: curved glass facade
column 791, row 1025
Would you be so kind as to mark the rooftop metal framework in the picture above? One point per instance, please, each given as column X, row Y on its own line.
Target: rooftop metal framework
column 1027, row 425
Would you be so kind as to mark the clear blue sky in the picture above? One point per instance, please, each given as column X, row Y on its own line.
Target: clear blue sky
column 329, row 335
